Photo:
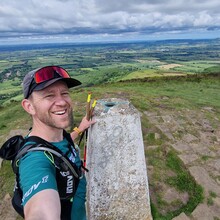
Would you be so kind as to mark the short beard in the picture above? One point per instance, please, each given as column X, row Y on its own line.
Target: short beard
column 51, row 123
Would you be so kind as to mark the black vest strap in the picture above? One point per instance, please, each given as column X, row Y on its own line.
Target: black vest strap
column 66, row 207
column 41, row 144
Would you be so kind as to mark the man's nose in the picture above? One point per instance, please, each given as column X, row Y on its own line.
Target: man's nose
column 60, row 100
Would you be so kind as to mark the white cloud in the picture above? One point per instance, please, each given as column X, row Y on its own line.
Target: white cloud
column 106, row 18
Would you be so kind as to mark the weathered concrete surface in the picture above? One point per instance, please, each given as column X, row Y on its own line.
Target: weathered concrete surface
column 205, row 180
column 117, row 180
column 197, row 141
column 182, row 216
column 203, row 212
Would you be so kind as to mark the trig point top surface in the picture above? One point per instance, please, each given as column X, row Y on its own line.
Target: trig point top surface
column 114, row 106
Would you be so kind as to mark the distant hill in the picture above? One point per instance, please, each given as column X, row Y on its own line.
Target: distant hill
column 98, row 63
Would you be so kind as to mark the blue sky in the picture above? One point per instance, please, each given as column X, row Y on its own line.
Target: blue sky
column 34, row 21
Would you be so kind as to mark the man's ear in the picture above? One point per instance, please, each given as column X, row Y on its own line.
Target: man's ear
column 28, row 106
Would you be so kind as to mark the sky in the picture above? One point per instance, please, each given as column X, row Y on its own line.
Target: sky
column 73, row 21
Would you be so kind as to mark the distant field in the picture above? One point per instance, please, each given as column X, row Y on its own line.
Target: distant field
column 98, row 64
column 169, row 66
column 149, row 73
column 196, row 66
column 141, row 74
column 10, row 90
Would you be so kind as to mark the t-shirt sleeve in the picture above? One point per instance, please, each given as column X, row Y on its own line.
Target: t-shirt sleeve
column 36, row 173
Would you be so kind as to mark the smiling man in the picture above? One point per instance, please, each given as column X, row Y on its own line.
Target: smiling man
column 47, row 100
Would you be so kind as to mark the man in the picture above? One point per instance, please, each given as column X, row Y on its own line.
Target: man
column 47, row 100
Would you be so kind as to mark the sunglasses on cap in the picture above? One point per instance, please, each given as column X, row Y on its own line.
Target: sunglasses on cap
column 45, row 76
column 48, row 73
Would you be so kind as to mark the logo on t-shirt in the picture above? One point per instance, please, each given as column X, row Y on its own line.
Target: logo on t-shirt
column 34, row 187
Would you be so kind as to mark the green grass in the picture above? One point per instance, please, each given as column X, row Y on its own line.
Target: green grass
column 180, row 94
column 180, row 179
column 210, row 201
column 6, row 174
column 10, row 86
column 183, row 181
column 13, row 117
column 10, row 90
column 4, row 64
column 195, row 66
column 140, row 74
column 149, row 88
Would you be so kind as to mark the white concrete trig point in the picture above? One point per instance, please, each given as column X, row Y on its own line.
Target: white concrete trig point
column 117, row 179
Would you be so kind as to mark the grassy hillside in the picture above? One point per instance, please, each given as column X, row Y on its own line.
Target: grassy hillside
column 173, row 94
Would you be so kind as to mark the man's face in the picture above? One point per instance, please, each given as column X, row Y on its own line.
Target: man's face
column 53, row 106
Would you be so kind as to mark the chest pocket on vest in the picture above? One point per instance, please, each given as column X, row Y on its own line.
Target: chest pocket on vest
column 67, row 177
column 67, row 174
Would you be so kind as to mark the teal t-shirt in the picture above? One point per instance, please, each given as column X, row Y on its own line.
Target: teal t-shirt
column 37, row 173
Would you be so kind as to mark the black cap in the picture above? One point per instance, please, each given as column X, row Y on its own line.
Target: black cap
column 29, row 84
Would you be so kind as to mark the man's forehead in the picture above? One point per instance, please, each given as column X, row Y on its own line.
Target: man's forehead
column 57, row 86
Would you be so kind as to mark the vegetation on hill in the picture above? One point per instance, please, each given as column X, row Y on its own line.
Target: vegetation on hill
column 172, row 75
column 146, row 96
column 97, row 64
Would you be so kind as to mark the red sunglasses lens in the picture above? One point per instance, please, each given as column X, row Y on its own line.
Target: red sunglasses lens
column 48, row 73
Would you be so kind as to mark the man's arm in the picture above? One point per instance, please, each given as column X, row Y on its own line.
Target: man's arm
column 84, row 124
column 37, row 176
column 45, row 205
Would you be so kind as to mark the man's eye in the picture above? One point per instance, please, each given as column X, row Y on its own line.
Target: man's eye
column 49, row 96
column 65, row 93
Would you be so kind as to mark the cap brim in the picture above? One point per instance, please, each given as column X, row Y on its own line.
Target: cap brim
column 69, row 81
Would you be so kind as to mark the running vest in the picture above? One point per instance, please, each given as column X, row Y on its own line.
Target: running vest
column 67, row 173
